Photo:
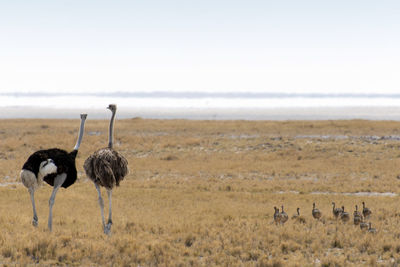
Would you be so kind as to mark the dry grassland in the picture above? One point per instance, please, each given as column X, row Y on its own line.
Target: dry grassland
column 202, row 193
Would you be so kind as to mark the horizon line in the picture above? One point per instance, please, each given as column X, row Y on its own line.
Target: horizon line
column 189, row 94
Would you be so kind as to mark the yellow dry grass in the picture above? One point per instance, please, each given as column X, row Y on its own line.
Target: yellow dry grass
column 202, row 193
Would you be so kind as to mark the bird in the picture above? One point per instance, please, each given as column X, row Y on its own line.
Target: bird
column 356, row 212
column 107, row 168
column 357, row 216
column 363, row 224
column 344, row 216
column 316, row 213
column 277, row 217
column 371, row 230
column 336, row 211
column 284, row 216
column 297, row 214
column 298, row 217
column 366, row 211
column 54, row 166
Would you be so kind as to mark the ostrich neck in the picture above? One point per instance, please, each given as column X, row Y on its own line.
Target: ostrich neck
column 80, row 136
column 111, row 131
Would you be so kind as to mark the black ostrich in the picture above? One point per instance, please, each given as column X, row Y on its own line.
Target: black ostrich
column 106, row 167
column 56, row 167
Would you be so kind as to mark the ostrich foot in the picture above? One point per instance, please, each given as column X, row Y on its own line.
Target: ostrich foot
column 35, row 222
column 107, row 228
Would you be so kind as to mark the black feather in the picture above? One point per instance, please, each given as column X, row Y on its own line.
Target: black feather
column 64, row 161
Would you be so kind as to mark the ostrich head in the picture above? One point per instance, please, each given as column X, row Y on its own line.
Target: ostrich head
column 112, row 107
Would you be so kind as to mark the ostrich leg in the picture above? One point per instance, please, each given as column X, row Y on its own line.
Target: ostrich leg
column 101, row 204
column 58, row 181
column 107, row 230
column 35, row 217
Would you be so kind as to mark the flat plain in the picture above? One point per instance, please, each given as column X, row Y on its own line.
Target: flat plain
column 202, row 193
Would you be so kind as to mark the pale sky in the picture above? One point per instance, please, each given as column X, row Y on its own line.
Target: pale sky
column 260, row 46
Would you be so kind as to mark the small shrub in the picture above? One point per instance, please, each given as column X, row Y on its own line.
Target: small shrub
column 7, row 252
column 170, row 157
column 189, row 240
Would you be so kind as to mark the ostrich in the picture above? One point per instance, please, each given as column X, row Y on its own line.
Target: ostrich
column 344, row 216
column 107, row 168
column 357, row 216
column 316, row 213
column 356, row 212
column 336, row 211
column 363, row 224
column 283, row 215
column 296, row 215
column 357, row 219
column 366, row 211
column 277, row 217
column 370, row 229
column 56, row 167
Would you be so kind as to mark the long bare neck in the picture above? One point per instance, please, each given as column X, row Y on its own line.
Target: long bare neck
column 81, row 131
column 111, row 131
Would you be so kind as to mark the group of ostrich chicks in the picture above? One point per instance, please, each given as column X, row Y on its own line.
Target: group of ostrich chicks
column 105, row 167
column 338, row 213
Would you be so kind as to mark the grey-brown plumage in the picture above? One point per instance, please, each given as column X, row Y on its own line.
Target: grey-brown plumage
column 357, row 216
column 316, row 213
column 298, row 218
column 370, row 229
column 363, row 224
column 344, row 216
column 366, row 211
column 107, row 168
column 284, row 216
column 277, row 217
column 296, row 215
column 336, row 211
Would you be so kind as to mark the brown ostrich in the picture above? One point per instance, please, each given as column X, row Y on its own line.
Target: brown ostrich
column 336, row 211
column 106, row 167
column 357, row 216
column 366, row 211
column 344, row 216
column 277, row 217
column 284, row 216
column 316, row 213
